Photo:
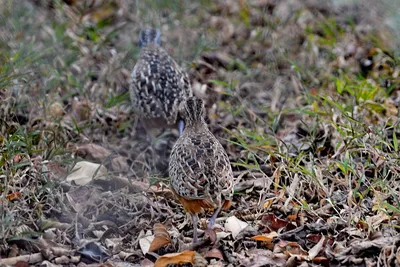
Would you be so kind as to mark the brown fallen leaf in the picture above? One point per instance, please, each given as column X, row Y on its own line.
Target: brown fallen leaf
column 22, row 264
column 92, row 152
column 314, row 237
column 272, row 222
column 186, row 256
column 17, row 158
column 313, row 252
column 292, row 248
column 56, row 110
column 265, row 237
column 321, row 261
column 80, row 109
column 211, row 234
column 214, row 253
column 13, row 196
column 120, row 163
column 292, row 217
column 161, row 237
column 146, row 263
column 263, row 257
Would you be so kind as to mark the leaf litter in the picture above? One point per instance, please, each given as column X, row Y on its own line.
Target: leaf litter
column 304, row 96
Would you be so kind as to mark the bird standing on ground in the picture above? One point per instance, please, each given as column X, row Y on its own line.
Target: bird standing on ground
column 158, row 84
column 199, row 168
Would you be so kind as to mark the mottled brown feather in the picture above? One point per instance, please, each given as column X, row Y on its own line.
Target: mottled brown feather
column 158, row 85
column 199, row 168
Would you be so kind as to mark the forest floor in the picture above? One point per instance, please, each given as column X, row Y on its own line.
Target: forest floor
column 303, row 95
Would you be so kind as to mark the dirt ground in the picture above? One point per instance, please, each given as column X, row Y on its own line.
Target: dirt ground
column 304, row 95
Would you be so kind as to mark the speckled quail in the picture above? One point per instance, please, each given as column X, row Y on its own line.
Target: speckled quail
column 158, row 84
column 199, row 168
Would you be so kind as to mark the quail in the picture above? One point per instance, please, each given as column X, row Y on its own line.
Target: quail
column 200, row 172
column 158, row 84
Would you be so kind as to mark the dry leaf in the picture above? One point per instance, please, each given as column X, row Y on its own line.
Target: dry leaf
column 314, row 237
column 321, row 261
column 186, row 256
column 272, row 222
column 92, row 152
column 268, row 203
column 13, row 196
column 263, row 257
column 120, row 163
column 161, row 237
column 80, row 109
column 56, row 110
column 266, row 237
column 211, row 234
column 312, row 253
column 146, row 263
column 84, row 172
column 17, row 158
column 234, row 225
column 214, row 253
column 145, row 243
column 292, row 248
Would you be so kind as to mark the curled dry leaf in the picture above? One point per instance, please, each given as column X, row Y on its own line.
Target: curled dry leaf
column 272, row 222
column 234, row 225
column 292, row 248
column 120, row 163
column 92, row 152
column 265, row 237
column 321, row 261
column 312, row 253
column 214, row 253
column 186, row 256
column 13, row 196
column 211, row 235
column 161, row 237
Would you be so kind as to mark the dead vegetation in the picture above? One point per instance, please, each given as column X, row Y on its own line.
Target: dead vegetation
column 304, row 96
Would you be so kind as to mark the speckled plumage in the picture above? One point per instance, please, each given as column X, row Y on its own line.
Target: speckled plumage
column 158, row 84
column 199, row 168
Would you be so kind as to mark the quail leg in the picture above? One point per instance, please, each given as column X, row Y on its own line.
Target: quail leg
column 211, row 222
column 181, row 126
column 195, row 220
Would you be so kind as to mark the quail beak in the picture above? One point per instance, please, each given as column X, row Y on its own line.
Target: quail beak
column 181, row 125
